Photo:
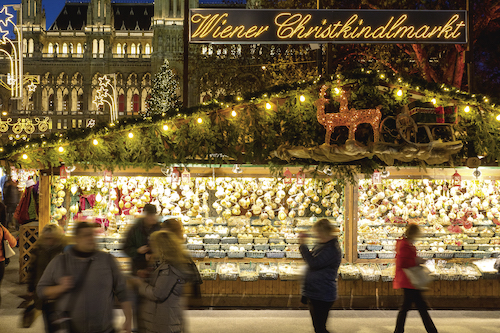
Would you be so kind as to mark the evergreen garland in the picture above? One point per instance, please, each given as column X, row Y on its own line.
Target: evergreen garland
column 212, row 134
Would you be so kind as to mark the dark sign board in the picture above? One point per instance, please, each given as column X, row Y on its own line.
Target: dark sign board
column 258, row 26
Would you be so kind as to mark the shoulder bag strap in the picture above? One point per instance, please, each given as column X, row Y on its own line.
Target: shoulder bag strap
column 78, row 285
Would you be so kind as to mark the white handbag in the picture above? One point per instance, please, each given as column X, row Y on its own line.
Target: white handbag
column 6, row 247
column 419, row 276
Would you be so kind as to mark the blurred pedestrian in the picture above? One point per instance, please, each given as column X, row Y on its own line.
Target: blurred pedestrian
column 84, row 283
column 406, row 257
column 319, row 291
column 11, row 196
column 175, row 226
column 4, row 235
column 3, row 214
column 160, row 308
column 137, row 242
column 50, row 243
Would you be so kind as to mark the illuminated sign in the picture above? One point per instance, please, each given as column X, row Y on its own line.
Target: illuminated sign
column 260, row 26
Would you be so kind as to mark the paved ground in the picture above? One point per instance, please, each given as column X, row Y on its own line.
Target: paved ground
column 275, row 321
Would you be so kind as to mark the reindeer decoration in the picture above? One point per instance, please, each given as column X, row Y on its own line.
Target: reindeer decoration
column 349, row 118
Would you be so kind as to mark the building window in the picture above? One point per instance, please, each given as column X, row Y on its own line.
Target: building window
column 73, row 123
column 136, row 103
column 132, row 49
column 59, row 124
column 51, row 102
column 79, row 103
column 121, row 103
column 101, row 46
column 25, row 45
column 79, row 48
column 118, row 48
column 65, row 48
column 80, row 123
column 50, row 49
column 31, row 46
column 147, row 49
column 95, row 46
column 65, row 103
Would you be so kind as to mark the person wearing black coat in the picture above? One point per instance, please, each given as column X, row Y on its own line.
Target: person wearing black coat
column 319, row 291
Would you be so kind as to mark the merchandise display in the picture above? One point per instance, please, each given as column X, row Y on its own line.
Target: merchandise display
column 222, row 217
column 458, row 219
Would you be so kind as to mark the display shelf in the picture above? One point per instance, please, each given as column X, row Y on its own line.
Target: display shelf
column 452, row 217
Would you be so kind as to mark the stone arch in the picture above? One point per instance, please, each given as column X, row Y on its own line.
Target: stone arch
column 132, row 79
column 146, row 80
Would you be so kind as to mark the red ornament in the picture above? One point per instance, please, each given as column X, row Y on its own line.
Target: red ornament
column 456, row 179
column 301, row 177
column 288, row 176
column 63, row 172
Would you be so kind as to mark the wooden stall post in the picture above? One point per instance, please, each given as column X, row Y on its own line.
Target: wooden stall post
column 44, row 201
column 28, row 234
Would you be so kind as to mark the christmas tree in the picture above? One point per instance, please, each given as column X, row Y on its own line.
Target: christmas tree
column 164, row 98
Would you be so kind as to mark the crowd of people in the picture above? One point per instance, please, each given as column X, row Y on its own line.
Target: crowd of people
column 77, row 287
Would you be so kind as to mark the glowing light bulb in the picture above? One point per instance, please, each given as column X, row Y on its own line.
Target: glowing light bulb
column 61, row 149
column 95, row 142
column 25, row 157
column 337, row 91
column 200, row 120
column 233, row 113
column 302, row 98
column 165, row 127
column 131, row 135
column 399, row 93
column 467, row 109
column 269, row 106
column 382, row 76
column 498, row 117
column 434, row 101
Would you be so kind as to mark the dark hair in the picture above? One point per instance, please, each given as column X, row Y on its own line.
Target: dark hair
column 84, row 225
column 411, row 230
column 149, row 209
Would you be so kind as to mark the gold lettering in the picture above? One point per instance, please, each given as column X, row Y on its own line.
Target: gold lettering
column 422, row 34
column 448, row 27
column 403, row 30
column 400, row 21
column 226, row 32
column 286, row 30
column 347, row 26
column 382, row 29
column 335, row 26
column 251, row 32
column 455, row 33
column 239, row 31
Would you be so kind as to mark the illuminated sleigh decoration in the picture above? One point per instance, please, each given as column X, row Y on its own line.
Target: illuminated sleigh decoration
column 350, row 118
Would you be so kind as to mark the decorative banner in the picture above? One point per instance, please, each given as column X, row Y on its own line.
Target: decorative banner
column 273, row 26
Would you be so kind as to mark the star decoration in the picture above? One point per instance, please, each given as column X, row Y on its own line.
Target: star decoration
column 31, row 87
column 104, row 81
column 3, row 36
column 8, row 16
column 90, row 123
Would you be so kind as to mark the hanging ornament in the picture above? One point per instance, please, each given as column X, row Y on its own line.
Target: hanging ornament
column 63, row 172
column 376, row 178
column 108, row 176
column 175, row 176
column 186, row 177
column 456, row 179
column 301, row 177
column 288, row 176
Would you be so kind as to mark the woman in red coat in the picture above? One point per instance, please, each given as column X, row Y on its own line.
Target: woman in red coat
column 406, row 257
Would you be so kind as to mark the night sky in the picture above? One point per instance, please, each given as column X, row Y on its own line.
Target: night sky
column 52, row 8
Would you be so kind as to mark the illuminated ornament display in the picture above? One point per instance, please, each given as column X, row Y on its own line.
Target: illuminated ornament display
column 103, row 96
column 349, row 118
column 288, row 176
column 301, row 177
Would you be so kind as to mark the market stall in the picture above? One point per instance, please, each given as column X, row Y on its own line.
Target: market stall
column 230, row 171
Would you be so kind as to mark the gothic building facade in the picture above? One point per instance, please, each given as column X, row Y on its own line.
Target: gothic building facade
column 126, row 41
